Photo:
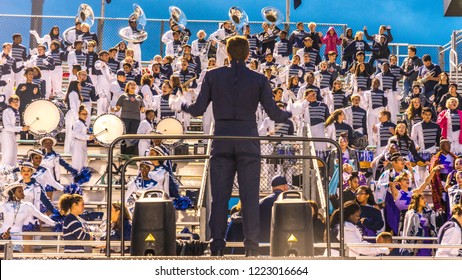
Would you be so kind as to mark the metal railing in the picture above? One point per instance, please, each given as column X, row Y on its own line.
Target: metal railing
column 209, row 138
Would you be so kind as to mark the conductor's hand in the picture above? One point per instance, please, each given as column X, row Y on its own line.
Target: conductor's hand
column 25, row 128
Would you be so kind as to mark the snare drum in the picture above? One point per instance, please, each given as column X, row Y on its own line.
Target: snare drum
column 43, row 117
column 170, row 126
column 107, row 128
column 365, row 159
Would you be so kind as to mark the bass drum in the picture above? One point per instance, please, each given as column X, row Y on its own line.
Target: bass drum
column 170, row 126
column 43, row 117
column 107, row 128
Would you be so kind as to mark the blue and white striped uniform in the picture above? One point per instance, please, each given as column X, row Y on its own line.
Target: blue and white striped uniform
column 165, row 110
column 385, row 133
column 74, row 229
column 326, row 79
column 58, row 57
column 378, row 99
column 388, row 81
column 359, row 118
column 318, row 112
column 362, row 82
column 455, row 120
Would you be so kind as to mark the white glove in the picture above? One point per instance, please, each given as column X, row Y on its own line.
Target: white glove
column 45, row 61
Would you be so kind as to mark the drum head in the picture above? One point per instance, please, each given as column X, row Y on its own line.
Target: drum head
column 170, row 126
column 43, row 117
column 107, row 128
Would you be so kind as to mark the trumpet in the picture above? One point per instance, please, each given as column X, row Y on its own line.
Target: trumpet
column 424, row 79
column 185, row 86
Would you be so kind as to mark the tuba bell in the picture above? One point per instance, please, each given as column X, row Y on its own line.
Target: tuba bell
column 177, row 16
column 238, row 17
column 137, row 36
column 272, row 15
column 86, row 15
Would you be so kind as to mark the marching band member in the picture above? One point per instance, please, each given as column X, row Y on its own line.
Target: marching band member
column 130, row 58
column 146, row 127
column 451, row 234
column 9, row 69
column 160, row 102
column 130, row 73
column 141, row 183
column 73, row 101
column 207, row 118
column 148, row 90
column 199, row 48
column 309, row 84
column 220, row 37
column 376, row 102
column 112, row 60
column 57, row 74
column 92, row 56
column 168, row 36
column 103, row 82
column 335, row 126
column 314, row 114
column 174, row 47
column 270, row 128
column 117, row 89
column 121, row 49
column 295, row 69
column 268, row 37
column 86, row 35
column 27, row 92
column 77, row 57
column 356, row 116
column 80, row 137
column 46, row 64
column 135, row 46
column 194, row 63
column 17, row 214
column 19, row 53
column 282, row 49
column 426, row 135
column 381, row 132
column 254, row 44
column 11, row 127
column 87, row 91
column 389, row 85
column 315, row 58
column 157, row 75
column 307, row 65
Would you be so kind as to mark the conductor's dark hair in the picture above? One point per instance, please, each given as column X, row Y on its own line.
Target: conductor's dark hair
column 238, row 48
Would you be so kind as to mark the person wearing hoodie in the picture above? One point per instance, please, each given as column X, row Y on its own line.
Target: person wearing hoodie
column 331, row 40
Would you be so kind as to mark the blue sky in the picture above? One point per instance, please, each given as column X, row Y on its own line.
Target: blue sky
column 413, row 21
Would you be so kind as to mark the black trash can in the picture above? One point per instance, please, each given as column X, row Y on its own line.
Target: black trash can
column 153, row 226
column 291, row 226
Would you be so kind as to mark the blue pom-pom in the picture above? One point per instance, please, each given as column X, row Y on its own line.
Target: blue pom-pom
column 83, row 176
column 182, row 203
column 59, row 219
column 49, row 188
column 72, row 189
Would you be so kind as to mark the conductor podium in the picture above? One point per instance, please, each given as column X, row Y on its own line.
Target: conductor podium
column 291, row 226
column 153, row 227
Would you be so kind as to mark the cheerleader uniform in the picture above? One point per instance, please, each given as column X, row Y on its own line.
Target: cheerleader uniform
column 46, row 180
column 52, row 161
column 79, row 144
column 137, row 185
column 11, row 127
column 420, row 225
column 162, row 176
column 17, row 215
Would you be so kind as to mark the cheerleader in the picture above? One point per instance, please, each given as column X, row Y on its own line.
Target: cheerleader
column 35, row 195
column 160, row 172
column 74, row 227
column 450, row 121
column 142, row 182
column 52, row 160
column 80, row 137
column 376, row 102
column 73, row 101
column 42, row 174
column 451, row 234
column 146, row 127
column 17, row 214
column 11, row 127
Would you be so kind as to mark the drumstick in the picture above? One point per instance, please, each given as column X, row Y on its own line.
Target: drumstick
column 101, row 132
column 36, row 119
